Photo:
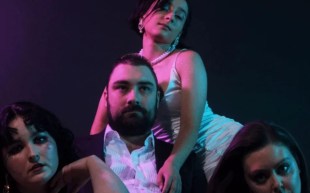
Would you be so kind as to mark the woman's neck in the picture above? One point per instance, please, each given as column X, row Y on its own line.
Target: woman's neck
column 33, row 189
column 152, row 50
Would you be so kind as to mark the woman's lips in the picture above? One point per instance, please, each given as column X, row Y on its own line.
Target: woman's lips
column 166, row 26
column 36, row 168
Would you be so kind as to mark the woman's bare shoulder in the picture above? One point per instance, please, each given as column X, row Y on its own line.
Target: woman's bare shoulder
column 189, row 59
column 187, row 53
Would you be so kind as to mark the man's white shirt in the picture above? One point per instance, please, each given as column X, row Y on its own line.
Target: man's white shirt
column 137, row 169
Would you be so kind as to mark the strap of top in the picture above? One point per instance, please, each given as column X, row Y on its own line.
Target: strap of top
column 176, row 57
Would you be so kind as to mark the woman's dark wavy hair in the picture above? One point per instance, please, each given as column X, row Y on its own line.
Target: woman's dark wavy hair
column 228, row 176
column 42, row 120
column 144, row 5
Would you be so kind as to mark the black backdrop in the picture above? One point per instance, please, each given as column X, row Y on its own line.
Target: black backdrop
column 57, row 53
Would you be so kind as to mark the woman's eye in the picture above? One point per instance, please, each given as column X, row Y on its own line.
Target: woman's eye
column 283, row 169
column 15, row 149
column 260, row 178
column 40, row 139
column 165, row 7
column 179, row 17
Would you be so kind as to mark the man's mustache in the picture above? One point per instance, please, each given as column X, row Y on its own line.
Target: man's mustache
column 134, row 108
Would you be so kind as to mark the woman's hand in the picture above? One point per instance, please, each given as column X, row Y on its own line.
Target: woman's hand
column 169, row 179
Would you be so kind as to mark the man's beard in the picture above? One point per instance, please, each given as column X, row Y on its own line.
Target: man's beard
column 127, row 124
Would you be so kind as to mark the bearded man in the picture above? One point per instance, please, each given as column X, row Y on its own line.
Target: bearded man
column 128, row 145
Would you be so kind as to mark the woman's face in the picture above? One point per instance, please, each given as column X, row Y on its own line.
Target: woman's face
column 272, row 169
column 166, row 23
column 32, row 158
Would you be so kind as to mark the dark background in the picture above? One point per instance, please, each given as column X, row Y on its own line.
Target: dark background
column 57, row 53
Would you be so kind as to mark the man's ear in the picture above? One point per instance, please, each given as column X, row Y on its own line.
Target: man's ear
column 158, row 98
column 105, row 95
column 161, row 93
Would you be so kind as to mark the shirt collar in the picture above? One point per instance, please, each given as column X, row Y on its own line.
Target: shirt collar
column 111, row 134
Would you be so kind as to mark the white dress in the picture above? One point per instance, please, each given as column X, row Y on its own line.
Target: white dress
column 215, row 133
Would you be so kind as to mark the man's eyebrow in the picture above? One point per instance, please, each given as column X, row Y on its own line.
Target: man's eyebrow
column 146, row 83
column 120, row 82
column 143, row 82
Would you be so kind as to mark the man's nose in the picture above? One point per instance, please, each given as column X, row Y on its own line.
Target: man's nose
column 134, row 97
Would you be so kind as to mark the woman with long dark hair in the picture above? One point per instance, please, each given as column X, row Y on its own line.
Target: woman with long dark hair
column 38, row 155
column 262, row 158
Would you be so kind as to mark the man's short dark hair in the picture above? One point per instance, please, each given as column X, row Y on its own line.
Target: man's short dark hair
column 135, row 59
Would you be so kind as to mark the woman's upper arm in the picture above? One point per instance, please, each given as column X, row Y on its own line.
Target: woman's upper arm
column 194, row 86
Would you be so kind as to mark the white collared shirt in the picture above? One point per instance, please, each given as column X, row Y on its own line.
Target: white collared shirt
column 137, row 169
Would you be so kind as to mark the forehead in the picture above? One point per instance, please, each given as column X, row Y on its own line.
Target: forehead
column 20, row 127
column 180, row 4
column 267, row 157
column 18, row 123
column 132, row 74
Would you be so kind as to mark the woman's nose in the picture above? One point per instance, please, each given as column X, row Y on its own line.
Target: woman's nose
column 33, row 153
column 170, row 16
column 277, row 184
column 34, row 158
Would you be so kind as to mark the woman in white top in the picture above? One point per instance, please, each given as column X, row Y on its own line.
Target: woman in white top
column 184, row 117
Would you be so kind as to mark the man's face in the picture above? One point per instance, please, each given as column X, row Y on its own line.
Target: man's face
column 132, row 100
